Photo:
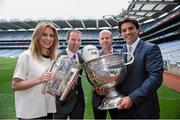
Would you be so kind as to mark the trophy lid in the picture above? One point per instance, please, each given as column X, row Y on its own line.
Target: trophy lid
column 90, row 52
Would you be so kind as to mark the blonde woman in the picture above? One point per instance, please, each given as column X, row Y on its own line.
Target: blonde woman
column 31, row 71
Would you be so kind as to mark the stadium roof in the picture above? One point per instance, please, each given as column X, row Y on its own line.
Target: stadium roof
column 141, row 10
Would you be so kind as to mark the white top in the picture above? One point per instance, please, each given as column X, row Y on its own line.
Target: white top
column 31, row 103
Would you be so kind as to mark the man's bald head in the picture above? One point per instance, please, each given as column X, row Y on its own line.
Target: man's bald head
column 105, row 32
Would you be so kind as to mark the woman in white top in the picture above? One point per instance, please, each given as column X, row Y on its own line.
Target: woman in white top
column 32, row 71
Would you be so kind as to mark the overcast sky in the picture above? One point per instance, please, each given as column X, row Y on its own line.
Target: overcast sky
column 48, row 9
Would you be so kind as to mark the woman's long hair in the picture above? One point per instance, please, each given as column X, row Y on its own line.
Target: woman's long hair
column 35, row 47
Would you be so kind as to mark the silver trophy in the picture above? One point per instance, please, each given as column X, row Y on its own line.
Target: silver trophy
column 107, row 71
column 65, row 74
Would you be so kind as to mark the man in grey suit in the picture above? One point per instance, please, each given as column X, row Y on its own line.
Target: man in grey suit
column 74, row 105
column 144, row 75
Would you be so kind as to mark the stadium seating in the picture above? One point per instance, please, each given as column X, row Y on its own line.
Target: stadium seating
column 163, row 31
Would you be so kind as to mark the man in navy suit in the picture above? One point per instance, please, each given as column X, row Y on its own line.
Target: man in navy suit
column 74, row 104
column 144, row 75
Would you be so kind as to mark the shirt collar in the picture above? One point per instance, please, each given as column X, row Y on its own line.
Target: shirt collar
column 69, row 53
column 134, row 45
column 111, row 50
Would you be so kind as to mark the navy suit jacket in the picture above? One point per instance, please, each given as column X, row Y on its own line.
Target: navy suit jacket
column 144, row 77
column 75, row 95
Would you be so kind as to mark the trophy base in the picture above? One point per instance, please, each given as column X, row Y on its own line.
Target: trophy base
column 110, row 103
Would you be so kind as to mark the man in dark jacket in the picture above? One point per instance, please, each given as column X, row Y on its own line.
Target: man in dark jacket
column 74, row 105
column 105, row 40
column 144, row 75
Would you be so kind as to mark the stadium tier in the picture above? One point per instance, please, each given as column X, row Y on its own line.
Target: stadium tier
column 163, row 31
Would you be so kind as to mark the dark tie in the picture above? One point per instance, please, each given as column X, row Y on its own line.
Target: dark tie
column 74, row 56
column 74, row 59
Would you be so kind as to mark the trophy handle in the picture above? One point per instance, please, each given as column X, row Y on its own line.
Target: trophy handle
column 71, row 82
column 44, row 88
column 51, row 66
column 132, row 60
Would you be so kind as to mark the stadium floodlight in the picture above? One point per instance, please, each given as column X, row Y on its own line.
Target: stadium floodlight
column 150, row 20
column 176, row 8
column 163, row 15
column 108, row 16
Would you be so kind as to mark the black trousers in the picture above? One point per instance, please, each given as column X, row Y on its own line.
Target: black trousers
column 101, row 114
column 77, row 113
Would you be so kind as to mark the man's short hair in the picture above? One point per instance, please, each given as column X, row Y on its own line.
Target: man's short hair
column 70, row 31
column 133, row 21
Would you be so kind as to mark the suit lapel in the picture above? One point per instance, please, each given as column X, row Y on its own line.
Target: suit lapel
column 138, row 49
column 136, row 53
column 80, row 58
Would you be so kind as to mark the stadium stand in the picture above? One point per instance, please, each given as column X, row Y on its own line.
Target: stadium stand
column 171, row 56
column 159, row 23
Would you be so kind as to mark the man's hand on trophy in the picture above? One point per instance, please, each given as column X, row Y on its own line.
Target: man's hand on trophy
column 45, row 76
column 101, row 90
column 125, row 103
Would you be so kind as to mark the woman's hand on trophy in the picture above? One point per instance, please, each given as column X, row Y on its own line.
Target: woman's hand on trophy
column 125, row 103
column 45, row 76
column 101, row 90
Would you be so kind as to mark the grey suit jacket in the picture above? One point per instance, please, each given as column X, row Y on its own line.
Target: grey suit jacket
column 143, row 79
column 75, row 96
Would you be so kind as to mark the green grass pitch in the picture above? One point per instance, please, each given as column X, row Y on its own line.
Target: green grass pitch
column 169, row 99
